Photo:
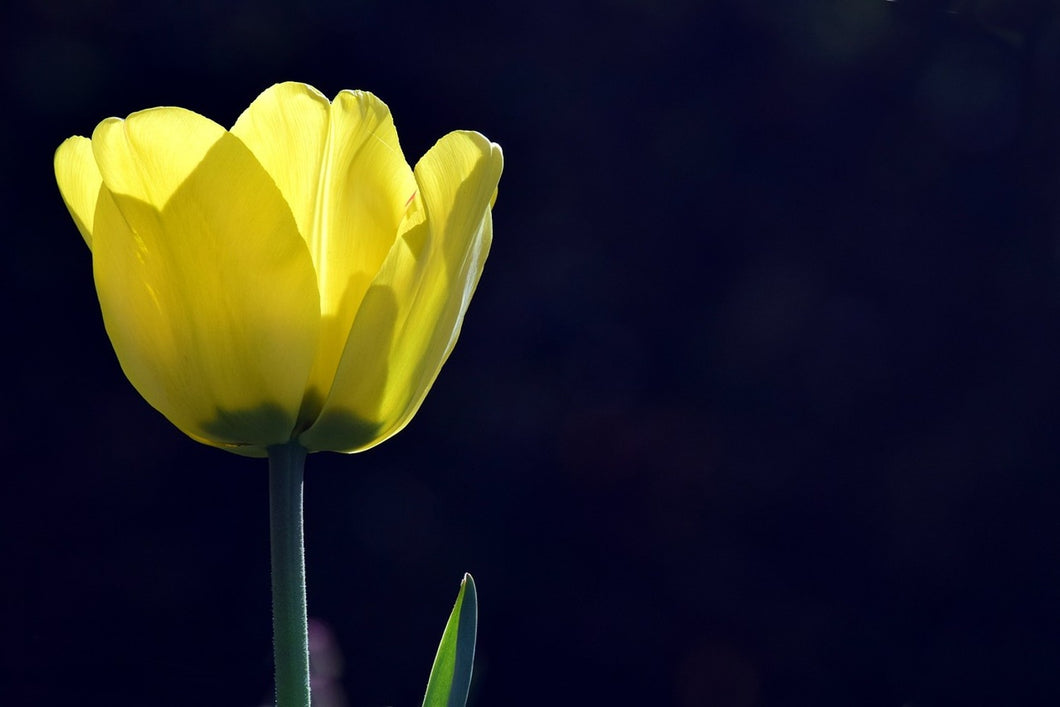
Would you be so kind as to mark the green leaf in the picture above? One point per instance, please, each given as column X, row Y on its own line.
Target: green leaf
column 451, row 674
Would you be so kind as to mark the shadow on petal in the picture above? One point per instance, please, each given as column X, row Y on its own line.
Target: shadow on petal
column 231, row 428
column 351, row 422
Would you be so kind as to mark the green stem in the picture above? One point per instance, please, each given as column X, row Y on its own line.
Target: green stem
column 290, row 635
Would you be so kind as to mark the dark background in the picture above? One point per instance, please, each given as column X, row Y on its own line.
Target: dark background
column 756, row 403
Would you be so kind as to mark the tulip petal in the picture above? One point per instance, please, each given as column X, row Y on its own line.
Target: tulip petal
column 79, row 182
column 412, row 313
column 340, row 167
column 149, row 155
column 207, row 290
column 286, row 128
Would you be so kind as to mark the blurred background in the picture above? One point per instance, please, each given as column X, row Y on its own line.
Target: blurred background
column 756, row 403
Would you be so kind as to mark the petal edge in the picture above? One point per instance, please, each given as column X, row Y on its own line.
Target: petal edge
column 79, row 182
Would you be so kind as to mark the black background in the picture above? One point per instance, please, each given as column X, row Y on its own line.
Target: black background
column 756, row 403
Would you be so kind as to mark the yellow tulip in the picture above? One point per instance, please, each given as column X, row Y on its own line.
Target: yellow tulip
column 290, row 279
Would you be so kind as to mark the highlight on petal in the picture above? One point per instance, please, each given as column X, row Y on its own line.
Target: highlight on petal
column 411, row 315
column 286, row 128
column 79, row 182
column 208, row 292
column 341, row 169
column 150, row 154
column 362, row 204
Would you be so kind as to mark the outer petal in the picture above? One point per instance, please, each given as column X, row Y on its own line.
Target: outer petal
column 208, row 292
column 341, row 169
column 411, row 315
column 79, row 182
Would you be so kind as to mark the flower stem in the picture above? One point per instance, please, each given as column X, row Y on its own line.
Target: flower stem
column 290, row 637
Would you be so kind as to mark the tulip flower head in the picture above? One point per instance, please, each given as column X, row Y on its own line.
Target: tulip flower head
column 290, row 279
